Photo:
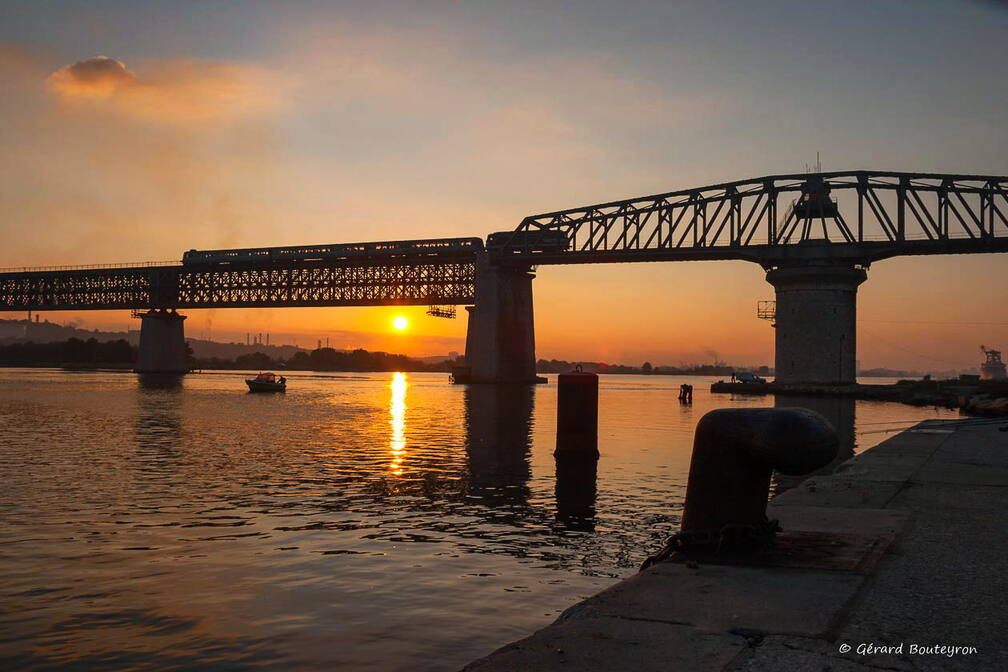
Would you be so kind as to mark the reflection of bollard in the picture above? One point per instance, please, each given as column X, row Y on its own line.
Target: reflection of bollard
column 577, row 449
column 576, row 489
column 577, row 414
column 735, row 452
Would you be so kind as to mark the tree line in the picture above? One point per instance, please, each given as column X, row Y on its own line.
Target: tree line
column 120, row 352
column 563, row 366
column 70, row 351
column 321, row 359
column 75, row 351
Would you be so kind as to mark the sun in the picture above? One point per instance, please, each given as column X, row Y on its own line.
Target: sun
column 400, row 323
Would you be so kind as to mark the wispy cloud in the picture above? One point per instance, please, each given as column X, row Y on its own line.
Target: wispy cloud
column 173, row 91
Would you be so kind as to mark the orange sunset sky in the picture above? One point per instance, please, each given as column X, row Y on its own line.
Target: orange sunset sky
column 211, row 125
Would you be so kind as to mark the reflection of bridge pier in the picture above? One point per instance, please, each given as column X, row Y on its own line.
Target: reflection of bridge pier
column 500, row 338
column 498, row 425
column 816, row 323
column 158, row 429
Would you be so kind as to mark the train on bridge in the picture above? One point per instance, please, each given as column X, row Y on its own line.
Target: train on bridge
column 397, row 249
column 530, row 241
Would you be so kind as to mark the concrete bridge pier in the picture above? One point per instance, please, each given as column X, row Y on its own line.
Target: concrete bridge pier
column 816, row 323
column 162, row 343
column 500, row 339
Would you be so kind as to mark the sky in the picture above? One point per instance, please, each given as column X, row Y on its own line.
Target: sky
column 133, row 131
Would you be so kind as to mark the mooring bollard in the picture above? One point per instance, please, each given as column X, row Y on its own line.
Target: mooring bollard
column 735, row 452
column 577, row 448
column 686, row 393
column 577, row 415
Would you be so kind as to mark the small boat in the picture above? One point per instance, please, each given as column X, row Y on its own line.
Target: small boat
column 267, row 382
column 459, row 375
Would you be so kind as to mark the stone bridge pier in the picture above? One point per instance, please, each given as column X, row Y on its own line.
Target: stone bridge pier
column 816, row 322
column 162, row 343
column 500, row 338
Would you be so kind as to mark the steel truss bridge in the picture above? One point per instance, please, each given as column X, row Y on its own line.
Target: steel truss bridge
column 777, row 219
column 844, row 217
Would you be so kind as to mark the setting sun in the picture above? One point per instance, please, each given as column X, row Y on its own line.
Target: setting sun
column 400, row 323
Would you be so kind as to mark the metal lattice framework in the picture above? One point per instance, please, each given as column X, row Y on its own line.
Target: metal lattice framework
column 236, row 286
column 776, row 219
column 89, row 288
column 421, row 283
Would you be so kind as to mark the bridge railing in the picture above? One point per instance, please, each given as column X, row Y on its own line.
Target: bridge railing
column 88, row 267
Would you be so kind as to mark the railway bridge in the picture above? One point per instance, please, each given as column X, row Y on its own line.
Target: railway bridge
column 815, row 235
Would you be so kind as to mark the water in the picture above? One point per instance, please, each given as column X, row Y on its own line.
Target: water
column 375, row 521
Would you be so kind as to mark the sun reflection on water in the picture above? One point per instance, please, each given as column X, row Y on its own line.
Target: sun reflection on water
column 397, row 411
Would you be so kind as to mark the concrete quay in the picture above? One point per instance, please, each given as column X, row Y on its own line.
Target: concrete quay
column 889, row 563
column 985, row 397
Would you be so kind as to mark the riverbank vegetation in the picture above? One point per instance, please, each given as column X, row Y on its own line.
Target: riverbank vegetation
column 322, row 359
column 70, row 351
column 92, row 353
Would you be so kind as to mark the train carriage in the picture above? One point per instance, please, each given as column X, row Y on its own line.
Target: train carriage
column 343, row 251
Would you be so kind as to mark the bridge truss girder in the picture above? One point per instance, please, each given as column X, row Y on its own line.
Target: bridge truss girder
column 876, row 215
column 241, row 286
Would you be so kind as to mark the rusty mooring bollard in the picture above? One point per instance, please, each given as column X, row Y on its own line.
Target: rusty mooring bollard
column 577, row 415
column 735, row 452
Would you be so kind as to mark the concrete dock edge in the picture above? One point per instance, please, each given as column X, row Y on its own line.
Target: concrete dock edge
column 896, row 562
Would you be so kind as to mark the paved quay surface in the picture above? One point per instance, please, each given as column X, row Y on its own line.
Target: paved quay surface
column 902, row 546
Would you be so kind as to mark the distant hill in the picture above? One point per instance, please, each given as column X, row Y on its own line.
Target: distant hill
column 43, row 331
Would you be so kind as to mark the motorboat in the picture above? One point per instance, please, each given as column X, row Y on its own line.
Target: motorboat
column 267, row 382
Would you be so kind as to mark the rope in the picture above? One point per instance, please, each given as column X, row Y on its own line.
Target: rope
column 732, row 538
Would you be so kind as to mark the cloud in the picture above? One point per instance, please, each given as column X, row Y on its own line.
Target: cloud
column 174, row 92
column 97, row 77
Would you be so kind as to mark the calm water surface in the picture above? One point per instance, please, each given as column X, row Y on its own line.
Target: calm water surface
column 374, row 521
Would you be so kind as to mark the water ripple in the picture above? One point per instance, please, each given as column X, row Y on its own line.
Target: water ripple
column 416, row 524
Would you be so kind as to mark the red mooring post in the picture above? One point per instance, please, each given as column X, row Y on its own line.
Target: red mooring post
column 577, row 448
column 577, row 415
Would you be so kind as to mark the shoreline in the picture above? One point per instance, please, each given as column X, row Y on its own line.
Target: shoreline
column 970, row 397
column 870, row 552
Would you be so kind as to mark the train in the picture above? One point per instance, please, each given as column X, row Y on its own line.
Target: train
column 342, row 251
column 541, row 241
